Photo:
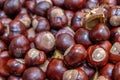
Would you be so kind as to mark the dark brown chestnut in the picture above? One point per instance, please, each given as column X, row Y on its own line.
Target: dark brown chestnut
column 97, row 56
column 12, row 7
column 33, row 73
column 35, row 57
column 45, row 41
column 55, row 69
column 77, row 20
column 16, row 66
column 64, row 41
column 100, row 33
column 75, row 56
column 107, row 70
column 74, row 4
column 59, row 3
column 19, row 46
column 40, row 24
column 75, row 74
column 114, row 52
column 11, row 77
column 115, row 72
column 30, row 5
column 42, row 7
column 82, row 37
column 57, row 17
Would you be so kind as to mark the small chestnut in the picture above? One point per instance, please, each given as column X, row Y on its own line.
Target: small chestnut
column 64, row 41
column 75, row 56
column 16, row 66
column 19, row 46
column 82, row 37
column 97, row 56
column 45, row 41
column 100, row 33
column 35, row 57
column 75, row 74
column 33, row 73
column 55, row 69
column 57, row 17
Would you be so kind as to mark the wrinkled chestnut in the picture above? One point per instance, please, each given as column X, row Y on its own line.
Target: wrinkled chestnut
column 82, row 37
column 55, row 69
column 64, row 41
column 16, row 66
column 115, row 72
column 12, row 7
column 4, row 57
column 45, row 41
column 35, row 57
column 97, row 56
column 40, row 24
column 19, row 46
column 115, row 52
column 75, row 74
column 75, row 4
column 75, row 56
column 42, row 7
column 11, row 77
column 77, row 20
column 107, row 70
column 57, row 17
column 100, row 33
column 33, row 73
column 115, row 34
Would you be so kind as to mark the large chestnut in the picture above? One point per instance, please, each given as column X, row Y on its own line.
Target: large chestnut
column 35, row 57
column 57, row 17
column 100, row 33
column 33, row 73
column 116, row 72
column 75, row 56
column 114, row 52
column 55, row 69
column 16, row 66
column 45, row 41
column 19, row 46
column 75, row 74
column 97, row 56
column 64, row 41
column 82, row 37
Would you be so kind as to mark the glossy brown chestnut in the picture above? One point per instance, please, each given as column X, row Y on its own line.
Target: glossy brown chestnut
column 77, row 20
column 82, row 37
column 12, row 7
column 57, row 17
column 69, row 15
column 64, row 41
column 100, row 33
column 45, row 41
column 11, row 77
column 116, row 72
column 16, row 66
column 55, row 69
column 19, row 46
column 115, row 35
column 97, row 56
column 75, row 74
column 59, row 3
column 4, row 57
column 75, row 56
column 35, row 57
column 42, row 7
column 74, row 4
column 40, row 24
column 30, row 5
column 107, row 70
column 114, row 52
column 33, row 73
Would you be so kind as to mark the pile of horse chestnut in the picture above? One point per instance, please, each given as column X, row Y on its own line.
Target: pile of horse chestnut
column 59, row 39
